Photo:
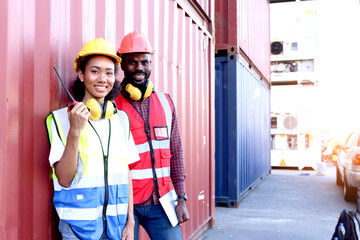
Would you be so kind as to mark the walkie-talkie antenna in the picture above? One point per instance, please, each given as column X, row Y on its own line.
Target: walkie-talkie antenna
column 67, row 91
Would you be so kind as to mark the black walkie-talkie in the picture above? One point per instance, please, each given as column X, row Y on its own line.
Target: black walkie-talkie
column 70, row 105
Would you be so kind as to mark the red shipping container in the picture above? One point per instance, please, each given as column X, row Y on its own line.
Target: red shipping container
column 243, row 27
column 40, row 34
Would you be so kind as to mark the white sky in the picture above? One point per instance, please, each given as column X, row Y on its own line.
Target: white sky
column 338, row 63
column 337, row 66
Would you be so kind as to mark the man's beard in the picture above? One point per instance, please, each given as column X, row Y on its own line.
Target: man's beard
column 128, row 78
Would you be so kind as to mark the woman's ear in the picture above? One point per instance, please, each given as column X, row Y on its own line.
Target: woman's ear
column 81, row 75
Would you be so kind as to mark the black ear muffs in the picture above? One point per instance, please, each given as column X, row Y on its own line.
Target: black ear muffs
column 136, row 94
column 101, row 112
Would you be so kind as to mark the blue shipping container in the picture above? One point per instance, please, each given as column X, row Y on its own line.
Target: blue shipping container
column 242, row 123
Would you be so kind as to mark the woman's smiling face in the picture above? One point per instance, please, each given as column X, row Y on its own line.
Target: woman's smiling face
column 98, row 77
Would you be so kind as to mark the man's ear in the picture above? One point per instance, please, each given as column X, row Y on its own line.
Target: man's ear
column 81, row 75
column 122, row 64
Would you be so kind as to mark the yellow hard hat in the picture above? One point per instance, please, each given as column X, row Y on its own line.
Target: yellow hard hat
column 96, row 47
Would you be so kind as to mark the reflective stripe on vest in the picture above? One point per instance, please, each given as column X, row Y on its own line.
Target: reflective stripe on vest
column 160, row 117
column 81, row 204
column 167, row 109
column 164, row 144
column 147, row 173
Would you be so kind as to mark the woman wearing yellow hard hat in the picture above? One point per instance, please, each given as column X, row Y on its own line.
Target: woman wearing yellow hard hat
column 91, row 147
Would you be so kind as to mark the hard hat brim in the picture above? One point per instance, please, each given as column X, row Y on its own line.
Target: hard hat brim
column 116, row 58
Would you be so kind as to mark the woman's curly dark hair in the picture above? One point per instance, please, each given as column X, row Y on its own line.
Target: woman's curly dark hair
column 78, row 87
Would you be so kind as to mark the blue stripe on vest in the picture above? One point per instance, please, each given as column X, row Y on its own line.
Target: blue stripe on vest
column 121, row 192
column 88, row 226
column 79, row 197
column 83, row 228
column 84, row 198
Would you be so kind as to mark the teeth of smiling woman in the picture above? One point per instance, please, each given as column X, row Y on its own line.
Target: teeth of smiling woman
column 101, row 88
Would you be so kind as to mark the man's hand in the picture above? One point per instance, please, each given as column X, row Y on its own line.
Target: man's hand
column 181, row 211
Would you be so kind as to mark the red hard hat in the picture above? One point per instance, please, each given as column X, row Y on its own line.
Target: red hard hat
column 135, row 42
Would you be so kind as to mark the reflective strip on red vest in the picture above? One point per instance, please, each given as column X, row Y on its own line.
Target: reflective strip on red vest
column 147, row 173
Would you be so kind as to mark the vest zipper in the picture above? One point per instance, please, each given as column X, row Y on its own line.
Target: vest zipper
column 105, row 160
column 148, row 135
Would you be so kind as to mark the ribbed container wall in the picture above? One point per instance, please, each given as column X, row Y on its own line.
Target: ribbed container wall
column 243, row 27
column 40, row 34
column 242, row 123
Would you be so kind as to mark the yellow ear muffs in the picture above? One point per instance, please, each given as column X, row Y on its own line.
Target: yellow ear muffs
column 109, row 109
column 98, row 112
column 94, row 108
column 135, row 93
column 148, row 90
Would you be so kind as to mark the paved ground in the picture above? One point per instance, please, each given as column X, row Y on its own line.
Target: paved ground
column 286, row 205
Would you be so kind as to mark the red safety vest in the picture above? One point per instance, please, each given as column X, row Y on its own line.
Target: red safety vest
column 153, row 147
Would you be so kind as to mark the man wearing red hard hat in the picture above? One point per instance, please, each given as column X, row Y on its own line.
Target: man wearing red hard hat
column 155, row 129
